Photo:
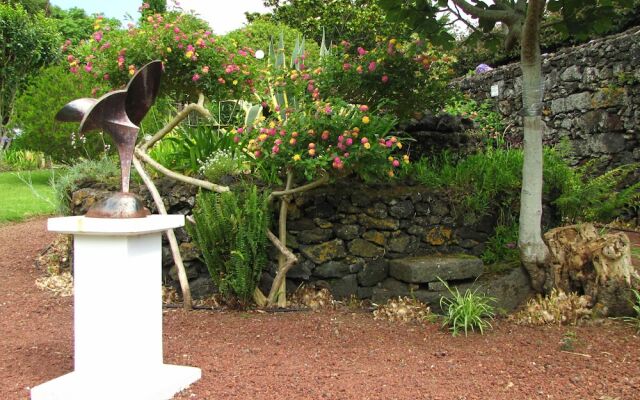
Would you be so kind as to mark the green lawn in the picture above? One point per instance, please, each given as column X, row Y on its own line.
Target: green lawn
column 18, row 201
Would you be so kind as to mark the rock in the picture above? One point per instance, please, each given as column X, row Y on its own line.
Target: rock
column 439, row 208
column 402, row 209
column 438, row 236
column 510, row 289
column 190, row 269
column 429, row 268
column 189, row 251
column 385, row 224
column 373, row 272
column 202, row 287
column 323, row 223
column 301, row 270
column 363, row 248
column 344, row 287
column 323, row 252
column 347, row 232
column 365, row 292
column 375, row 237
column 399, row 244
column 303, row 224
column 316, row 235
column 448, row 123
column 265, row 283
column 377, row 210
column 332, row 269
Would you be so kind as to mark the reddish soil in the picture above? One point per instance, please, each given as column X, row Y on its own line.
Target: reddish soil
column 324, row 355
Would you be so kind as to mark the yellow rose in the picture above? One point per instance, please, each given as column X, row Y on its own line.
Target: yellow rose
column 365, row 120
column 296, row 157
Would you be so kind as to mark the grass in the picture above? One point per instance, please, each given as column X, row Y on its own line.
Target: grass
column 27, row 197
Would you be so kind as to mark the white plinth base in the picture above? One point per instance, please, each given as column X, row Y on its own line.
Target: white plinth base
column 117, row 313
column 161, row 384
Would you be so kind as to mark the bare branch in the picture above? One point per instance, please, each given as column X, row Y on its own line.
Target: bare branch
column 176, row 120
column 322, row 181
column 173, row 242
column 179, row 177
column 291, row 259
column 492, row 15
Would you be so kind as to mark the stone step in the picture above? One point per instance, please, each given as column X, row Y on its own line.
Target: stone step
column 426, row 269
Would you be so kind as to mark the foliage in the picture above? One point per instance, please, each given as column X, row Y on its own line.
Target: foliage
column 195, row 60
column 25, row 194
column 468, row 311
column 14, row 159
column 35, row 111
column 490, row 181
column 403, row 309
column 68, row 181
column 190, row 146
column 319, row 137
column 489, row 123
column 28, row 42
column 259, row 34
column 75, row 25
column 401, row 77
column 359, row 21
column 502, row 246
column 483, row 182
column 635, row 320
column 556, row 308
column 230, row 231
column 600, row 198
column 220, row 164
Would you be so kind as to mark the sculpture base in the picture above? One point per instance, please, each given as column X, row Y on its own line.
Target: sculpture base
column 119, row 205
column 161, row 384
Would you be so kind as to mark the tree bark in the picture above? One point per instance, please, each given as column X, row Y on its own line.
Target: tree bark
column 282, row 233
column 533, row 251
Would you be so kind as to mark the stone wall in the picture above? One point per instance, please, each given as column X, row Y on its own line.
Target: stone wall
column 592, row 97
column 372, row 242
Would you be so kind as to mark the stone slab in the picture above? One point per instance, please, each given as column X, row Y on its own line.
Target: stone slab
column 429, row 268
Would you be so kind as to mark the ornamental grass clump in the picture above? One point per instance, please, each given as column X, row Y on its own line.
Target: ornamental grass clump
column 468, row 311
column 556, row 308
column 403, row 309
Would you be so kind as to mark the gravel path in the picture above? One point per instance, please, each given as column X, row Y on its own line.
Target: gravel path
column 323, row 355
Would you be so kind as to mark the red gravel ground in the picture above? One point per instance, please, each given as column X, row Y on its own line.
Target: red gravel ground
column 324, row 355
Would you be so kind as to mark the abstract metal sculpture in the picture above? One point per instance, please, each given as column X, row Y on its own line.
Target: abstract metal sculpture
column 118, row 113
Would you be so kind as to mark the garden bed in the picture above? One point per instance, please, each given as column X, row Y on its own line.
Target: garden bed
column 343, row 354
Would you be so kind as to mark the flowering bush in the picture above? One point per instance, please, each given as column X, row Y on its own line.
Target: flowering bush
column 194, row 59
column 402, row 77
column 325, row 136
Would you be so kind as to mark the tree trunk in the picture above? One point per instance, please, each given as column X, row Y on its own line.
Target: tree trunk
column 533, row 251
column 282, row 233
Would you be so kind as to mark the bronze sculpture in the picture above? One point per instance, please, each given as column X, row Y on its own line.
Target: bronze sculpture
column 118, row 113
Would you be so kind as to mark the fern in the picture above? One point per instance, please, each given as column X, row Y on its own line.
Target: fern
column 230, row 231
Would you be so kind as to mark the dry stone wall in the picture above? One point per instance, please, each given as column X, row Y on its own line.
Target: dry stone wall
column 372, row 242
column 592, row 97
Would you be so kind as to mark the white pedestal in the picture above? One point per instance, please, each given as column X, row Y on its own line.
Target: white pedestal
column 117, row 313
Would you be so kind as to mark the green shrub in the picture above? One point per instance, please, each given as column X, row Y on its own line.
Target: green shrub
column 601, row 198
column 189, row 147
column 635, row 320
column 13, row 159
column 95, row 170
column 221, row 163
column 36, row 108
column 490, row 124
column 477, row 184
column 230, row 230
column 502, row 246
column 468, row 311
column 490, row 181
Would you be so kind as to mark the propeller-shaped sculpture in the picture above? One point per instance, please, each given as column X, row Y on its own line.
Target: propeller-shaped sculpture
column 119, row 114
